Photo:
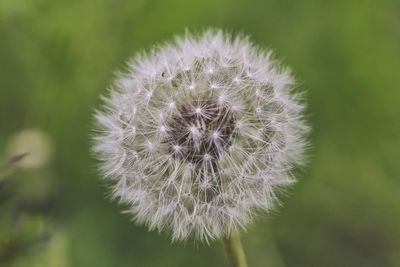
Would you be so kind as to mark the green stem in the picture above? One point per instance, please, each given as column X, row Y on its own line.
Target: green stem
column 234, row 250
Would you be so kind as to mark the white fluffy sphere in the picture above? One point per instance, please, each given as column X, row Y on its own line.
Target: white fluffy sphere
column 199, row 134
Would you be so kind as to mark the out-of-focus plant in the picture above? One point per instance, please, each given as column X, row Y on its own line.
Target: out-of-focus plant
column 26, row 196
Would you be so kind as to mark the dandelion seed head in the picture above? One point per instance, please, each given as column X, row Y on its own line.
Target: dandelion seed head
column 198, row 135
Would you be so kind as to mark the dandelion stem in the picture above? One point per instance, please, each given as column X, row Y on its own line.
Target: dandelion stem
column 234, row 250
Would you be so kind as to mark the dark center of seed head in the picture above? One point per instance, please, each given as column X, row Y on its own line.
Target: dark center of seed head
column 200, row 131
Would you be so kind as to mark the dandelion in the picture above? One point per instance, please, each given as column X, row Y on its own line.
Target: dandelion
column 199, row 134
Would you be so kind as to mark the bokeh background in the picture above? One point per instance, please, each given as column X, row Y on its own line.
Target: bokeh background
column 57, row 57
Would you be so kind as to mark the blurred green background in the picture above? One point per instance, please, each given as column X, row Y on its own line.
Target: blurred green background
column 57, row 57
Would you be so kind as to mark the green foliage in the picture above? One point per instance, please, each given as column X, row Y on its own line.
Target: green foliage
column 57, row 57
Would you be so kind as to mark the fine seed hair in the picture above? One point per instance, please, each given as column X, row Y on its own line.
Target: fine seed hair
column 199, row 134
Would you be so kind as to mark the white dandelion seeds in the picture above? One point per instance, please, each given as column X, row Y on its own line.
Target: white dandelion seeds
column 199, row 134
